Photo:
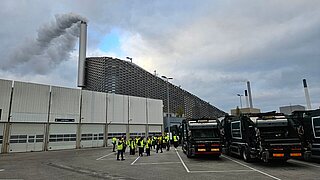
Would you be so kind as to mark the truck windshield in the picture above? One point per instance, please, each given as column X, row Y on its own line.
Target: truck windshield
column 204, row 133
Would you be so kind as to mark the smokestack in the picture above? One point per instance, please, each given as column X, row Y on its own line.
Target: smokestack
column 249, row 92
column 246, row 96
column 306, row 92
column 82, row 53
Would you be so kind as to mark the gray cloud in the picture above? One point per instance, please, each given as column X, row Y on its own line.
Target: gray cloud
column 209, row 47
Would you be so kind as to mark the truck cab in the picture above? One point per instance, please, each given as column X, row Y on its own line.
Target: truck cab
column 263, row 136
column 201, row 137
column 308, row 127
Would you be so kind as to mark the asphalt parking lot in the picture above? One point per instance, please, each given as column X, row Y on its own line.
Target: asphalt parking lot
column 101, row 163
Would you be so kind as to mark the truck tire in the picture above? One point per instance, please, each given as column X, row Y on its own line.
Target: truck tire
column 246, row 155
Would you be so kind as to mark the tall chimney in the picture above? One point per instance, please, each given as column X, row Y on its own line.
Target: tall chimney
column 246, row 96
column 249, row 93
column 82, row 54
column 306, row 92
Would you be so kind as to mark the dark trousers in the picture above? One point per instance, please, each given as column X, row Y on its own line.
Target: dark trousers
column 132, row 151
column 159, row 146
column 114, row 147
column 168, row 146
column 140, row 151
column 120, row 152
column 176, row 144
column 148, row 151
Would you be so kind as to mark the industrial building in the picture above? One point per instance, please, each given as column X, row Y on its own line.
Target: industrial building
column 36, row 117
column 291, row 108
column 111, row 75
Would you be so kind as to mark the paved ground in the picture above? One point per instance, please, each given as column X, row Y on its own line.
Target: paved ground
column 100, row 163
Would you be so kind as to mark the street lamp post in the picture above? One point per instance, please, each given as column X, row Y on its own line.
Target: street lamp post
column 169, row 124
column 240, row 100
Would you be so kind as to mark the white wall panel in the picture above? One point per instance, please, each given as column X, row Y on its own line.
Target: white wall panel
column 30, row 102
column 5, row 93
column 116, row 131
column 62, row 136
column 93, row 107
column 155, row 111
column 117, row 128
column 92, row 135
column 117, row 108
column 137, row 128
column 137, row 110
column 65, row 103
column 155, row 128
column 26, row 137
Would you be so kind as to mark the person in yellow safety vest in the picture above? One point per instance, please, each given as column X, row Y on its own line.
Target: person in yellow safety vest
column 120, row 149
column 127, row 144
column 164, row 142
column 132, row 145
column 168, row 142
column 137, row 141
column 154, row 142
column 175, row 141
column 148, row 146
column 159, row 144
column 141, row 146
column 114, row 142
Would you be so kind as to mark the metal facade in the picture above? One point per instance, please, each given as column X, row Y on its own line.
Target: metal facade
column 106, row 74
column 47, row 117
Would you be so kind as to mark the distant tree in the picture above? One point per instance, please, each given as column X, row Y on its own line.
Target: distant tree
column 238, row 111
column 180, row 112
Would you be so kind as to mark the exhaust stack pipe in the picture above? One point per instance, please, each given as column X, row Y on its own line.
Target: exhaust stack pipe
column 82, row 54
column 306, row 92
column 246, row 96
column 249, row 93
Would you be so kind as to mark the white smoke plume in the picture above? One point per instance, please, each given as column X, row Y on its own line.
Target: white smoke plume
column 53, row 45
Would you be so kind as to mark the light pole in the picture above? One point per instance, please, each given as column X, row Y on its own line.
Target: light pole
column 129, row 59
column 169, row 124
column 240, row 100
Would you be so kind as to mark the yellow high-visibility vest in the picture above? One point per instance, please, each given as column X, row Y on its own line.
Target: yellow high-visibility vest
column 175, row 138
column 132, row 144
column 141, row 143
column 120, row 145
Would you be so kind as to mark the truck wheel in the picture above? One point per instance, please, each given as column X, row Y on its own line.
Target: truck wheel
column 246, row 155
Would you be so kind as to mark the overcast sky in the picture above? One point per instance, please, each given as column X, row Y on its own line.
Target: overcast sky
column 210, row 47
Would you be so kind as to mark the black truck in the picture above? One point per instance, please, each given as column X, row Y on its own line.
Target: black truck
column 308, row 128
column 200, row 137
column 263, row 136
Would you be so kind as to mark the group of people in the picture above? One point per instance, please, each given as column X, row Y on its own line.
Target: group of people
column 141, row 145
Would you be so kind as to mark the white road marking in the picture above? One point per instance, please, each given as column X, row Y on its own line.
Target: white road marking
column 135, row 160
column 231, row 171
column 1, row 170
column 157, row 163
column 104, row 156
column 251, row 168
column 184, row 165
column 305, row 163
